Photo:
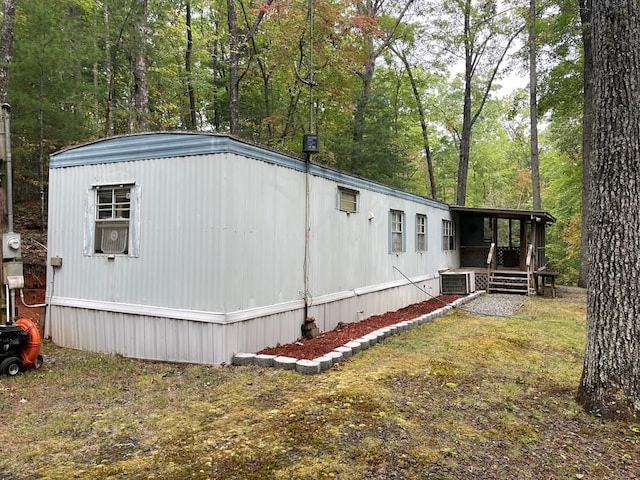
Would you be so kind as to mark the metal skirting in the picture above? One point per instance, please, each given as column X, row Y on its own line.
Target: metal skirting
column 192, row 339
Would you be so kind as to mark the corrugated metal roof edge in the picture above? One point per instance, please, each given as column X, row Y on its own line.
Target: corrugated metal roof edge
column 152, row 145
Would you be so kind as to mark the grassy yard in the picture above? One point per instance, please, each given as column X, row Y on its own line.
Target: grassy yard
column 464, row 397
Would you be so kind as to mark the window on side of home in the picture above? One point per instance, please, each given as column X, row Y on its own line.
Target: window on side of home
column 112, row 219
column 448, row 235
column 421, row 233
column 347, row 200
column 397, row 231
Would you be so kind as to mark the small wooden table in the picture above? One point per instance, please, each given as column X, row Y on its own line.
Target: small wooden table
column 548, row 280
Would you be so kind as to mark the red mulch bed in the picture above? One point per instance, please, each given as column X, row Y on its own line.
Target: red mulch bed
column 327, row 341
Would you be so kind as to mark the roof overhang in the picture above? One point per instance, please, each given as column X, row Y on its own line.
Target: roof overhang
column 537, row 215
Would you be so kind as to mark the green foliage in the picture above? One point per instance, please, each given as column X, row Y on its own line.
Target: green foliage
column 562, row 173
column 560, row 71
column 71, row 81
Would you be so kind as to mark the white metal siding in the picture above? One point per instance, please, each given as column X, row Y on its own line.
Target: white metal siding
column 218, row 233
column 351, row 251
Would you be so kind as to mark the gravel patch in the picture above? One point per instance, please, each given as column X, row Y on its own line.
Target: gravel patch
column 502, row 304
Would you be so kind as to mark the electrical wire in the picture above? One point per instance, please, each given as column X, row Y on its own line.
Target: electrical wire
column 459, row 307
column 38, row 305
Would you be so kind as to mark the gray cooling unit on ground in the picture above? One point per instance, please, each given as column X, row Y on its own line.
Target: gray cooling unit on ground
column 458, row 283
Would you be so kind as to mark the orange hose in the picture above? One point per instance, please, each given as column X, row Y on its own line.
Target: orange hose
column 29, row 354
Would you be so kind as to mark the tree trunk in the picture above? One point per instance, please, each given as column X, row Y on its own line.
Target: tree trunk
column 423, row 122
column 425, row 135
column 533, row 108
column 359, row 115
column 6, row 46
column 610, row 383
column 108, row 74
column 218, row 75
column 370, row 9
column 6, row 51
column 234, row 65
column 465, row 139
column 473, row 53
column 235, row 49
column 187, row 65
column 587, row 133
column 294, row 98
column 140, row 85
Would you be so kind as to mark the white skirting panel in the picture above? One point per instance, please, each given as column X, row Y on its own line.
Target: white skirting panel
column 192, row 341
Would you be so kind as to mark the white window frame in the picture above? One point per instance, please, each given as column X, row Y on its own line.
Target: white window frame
column 348, row 200
column 397, row 237
column 114, row 221
column 448, row 235
column 421, row 232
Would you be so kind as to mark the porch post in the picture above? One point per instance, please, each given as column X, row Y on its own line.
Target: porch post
column 523, row 244
column 494, row 260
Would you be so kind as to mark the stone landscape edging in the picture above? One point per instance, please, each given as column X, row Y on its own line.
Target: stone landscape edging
column 346, row 351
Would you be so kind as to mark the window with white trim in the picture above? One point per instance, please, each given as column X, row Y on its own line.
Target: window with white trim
column 112, row 219
column 348, row 200
column 448, row 235
column 397, row 231
column 421, row 233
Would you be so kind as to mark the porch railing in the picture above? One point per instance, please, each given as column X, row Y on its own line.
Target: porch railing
column 530, row 268
column 492, row 251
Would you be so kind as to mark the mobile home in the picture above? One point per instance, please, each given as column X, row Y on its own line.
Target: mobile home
column 191, row 247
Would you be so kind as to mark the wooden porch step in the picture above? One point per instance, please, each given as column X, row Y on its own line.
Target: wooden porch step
column 508, row 282
column 509, row 279
column 524, row 291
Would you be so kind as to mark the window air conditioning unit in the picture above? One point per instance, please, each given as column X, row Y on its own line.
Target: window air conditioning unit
column 457, row 283
column 113, row 238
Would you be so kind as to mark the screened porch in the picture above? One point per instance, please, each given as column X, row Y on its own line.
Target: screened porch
column 506, row 248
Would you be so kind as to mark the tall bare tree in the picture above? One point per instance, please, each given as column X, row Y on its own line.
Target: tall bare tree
column 140, row 84
column 108, row 73
column 239, row 41
column 610, row 382
column 192, row 119
column 487, row 37
column 533, row 108
column 423, row 120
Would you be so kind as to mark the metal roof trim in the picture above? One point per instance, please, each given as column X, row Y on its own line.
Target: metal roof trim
column 148, row 146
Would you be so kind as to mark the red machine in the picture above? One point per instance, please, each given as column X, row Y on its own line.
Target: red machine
column 19, row 347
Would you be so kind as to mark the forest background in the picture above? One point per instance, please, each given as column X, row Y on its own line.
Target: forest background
column 397, row 90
